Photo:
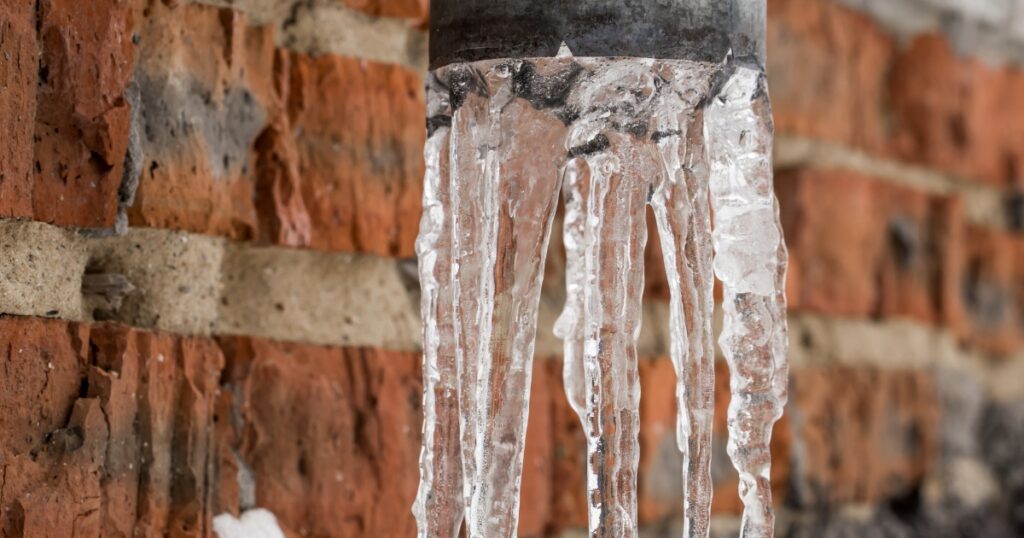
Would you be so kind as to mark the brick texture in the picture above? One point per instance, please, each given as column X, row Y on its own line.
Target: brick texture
column 178, row 115
column 112, row 431
column 860, row 247
column 331, row 436
column 275, row 146
column 922, row 104
column 18, row 73
column 105, row 431
column 65, row 68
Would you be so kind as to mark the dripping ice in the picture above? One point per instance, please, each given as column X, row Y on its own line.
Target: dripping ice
column 506, row 140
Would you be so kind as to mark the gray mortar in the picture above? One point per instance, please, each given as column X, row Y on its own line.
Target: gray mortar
column 317, row 298
column 176, row 276
column 40, row 270
column 327, row 27
column 990, row 29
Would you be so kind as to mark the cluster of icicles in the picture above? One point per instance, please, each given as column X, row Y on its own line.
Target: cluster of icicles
column 506, row 140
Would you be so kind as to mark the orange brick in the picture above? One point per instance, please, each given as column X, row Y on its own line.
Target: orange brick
column 105, row 430
column 65, row 121
column 331, row 435
column 958, row 114
column 254, row 143
column 206, row 83
column 18, row 73
column 864, row 435
column 360, row 141
column 860, row 247
column 992, row 301
column 827, row 67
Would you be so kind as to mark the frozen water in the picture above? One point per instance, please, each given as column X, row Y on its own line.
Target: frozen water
column 255, row 523
column 750, row 260
column 612, row 136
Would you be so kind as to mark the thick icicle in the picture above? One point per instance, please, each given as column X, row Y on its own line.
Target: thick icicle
column 633, row 131
column 750, row 259
column 684, row 223
column 505, row 157
column 439, row 502
column 607, row 185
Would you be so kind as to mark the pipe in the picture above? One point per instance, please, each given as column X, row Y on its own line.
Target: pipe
column 698, row 30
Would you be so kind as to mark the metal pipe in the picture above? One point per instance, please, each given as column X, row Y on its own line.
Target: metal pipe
column 698, row 30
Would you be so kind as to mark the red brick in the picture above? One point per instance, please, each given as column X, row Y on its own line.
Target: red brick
column 82, row 118
column 861, row 247
column 255, row 143
column 991, row 299
column 106, row 430
column 207, row 88
column 827, row 68
column 923, row 103
column 64, row 70
column 958, row 114
column 331, row 435
column 863, row 435
column 19, row 68
column 360, row 142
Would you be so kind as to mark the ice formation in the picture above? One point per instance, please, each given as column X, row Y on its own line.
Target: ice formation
column 255, row 523
column 506, row 138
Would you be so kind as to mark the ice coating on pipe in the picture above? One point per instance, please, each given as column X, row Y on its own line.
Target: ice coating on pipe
column 612, row 136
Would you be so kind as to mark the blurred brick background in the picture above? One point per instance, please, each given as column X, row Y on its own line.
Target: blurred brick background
column 207, row 212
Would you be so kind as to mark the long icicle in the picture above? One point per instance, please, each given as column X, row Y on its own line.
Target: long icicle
column 681, row 208
column 439, row 505
column 612, row 202
column 750, row 260
column 505, row 188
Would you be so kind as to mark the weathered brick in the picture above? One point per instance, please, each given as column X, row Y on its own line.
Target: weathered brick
column 255, row 143
column 19, row 68
column 860, row 247
column 106, row 430
column 331, row 435
column 991, row 298
column 827, row 66
column 958, row 114
column 360, row 143
column 861, row 435
column 64, row 70
column 82, row 118
column 206, row 86
column 922, row 103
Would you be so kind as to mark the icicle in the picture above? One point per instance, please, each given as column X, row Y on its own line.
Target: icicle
column 750, row 259
column 607, row 186
column 623, row 133
column 569, row 326
column 504, row 180
column 684, row 223
column 439, row 502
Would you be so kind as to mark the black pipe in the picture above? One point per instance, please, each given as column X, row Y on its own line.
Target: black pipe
column 698, row 30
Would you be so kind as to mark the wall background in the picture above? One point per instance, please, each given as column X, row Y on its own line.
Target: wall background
column 208, row 210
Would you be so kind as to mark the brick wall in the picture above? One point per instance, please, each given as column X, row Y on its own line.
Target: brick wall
column 207, row 211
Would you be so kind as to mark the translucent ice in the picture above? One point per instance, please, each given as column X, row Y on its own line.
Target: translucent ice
column 612, row 136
